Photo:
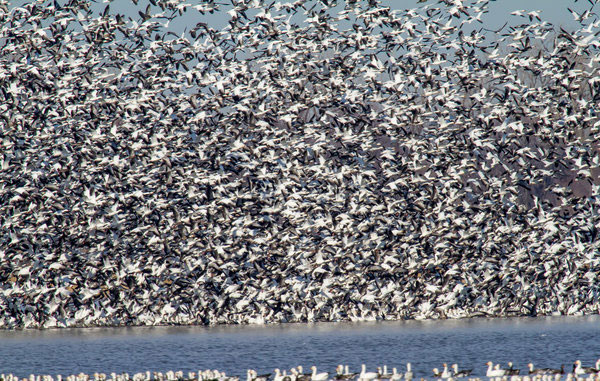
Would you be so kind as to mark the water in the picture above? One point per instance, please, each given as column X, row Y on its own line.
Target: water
column 547, row 342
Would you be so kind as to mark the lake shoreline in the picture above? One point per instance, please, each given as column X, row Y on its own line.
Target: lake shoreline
column 543, row 341
column 476, row 315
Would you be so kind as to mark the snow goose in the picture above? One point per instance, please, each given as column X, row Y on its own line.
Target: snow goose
column 340, row 375
column 347, row 372
column 364, row 375
column 295, row 375
column 409, row 374
column 510, row 371
column 533, row 371
column 578, row 369
column 323, row 376
column 460, row 373
column 446, row 373
column 395, row 375
column 383, row 374
column 288, row 377
column 302, row 376
column 491, row 372
column 283, row 376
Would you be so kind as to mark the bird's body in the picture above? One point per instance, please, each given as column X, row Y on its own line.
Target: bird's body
column 460, row 373
column 364, row 375
column 510, row 371
column 395, row 375
column 343, row 374
column 445, row 372
column 542, row 371
column 409, row 374
column 494, row 371
column 323, row 376
column 578, row 369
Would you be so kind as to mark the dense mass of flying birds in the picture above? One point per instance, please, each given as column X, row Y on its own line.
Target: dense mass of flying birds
column 306, row 162
column 493, row 373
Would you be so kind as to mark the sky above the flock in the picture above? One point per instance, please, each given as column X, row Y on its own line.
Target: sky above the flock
column 554, row 11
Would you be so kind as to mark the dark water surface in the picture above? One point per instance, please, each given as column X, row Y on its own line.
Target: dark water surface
column 471, row 343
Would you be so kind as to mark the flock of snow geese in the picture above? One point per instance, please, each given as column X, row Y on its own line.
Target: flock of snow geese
column 309, row 161
column 494, row 373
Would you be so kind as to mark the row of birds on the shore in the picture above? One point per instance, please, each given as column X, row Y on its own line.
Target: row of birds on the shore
column 306, row 162
column 201, row 375
column 452, row 372
column 496, row 370
column 342, row 373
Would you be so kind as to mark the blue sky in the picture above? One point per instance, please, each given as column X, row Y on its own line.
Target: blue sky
column 554, row 11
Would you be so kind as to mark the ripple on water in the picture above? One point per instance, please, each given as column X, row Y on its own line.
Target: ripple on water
column 470, row 343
